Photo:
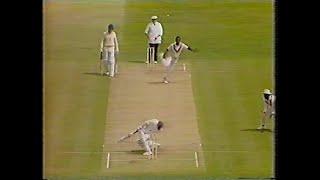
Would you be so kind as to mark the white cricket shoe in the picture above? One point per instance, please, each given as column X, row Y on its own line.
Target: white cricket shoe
column 165, row 81
column 155, row 62
column 147, row 62
column 147, row 153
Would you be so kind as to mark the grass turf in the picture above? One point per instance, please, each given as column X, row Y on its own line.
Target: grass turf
column 233, row 65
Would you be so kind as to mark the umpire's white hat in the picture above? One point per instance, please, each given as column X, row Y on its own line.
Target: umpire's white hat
column 267, row 91
column 154, row 17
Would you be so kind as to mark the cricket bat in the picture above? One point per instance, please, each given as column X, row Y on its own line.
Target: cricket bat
column 127, row 136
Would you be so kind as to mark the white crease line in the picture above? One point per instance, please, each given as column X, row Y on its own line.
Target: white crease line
column 120, row 160
column 108, row 160
column 120, row 152
column 196, row 159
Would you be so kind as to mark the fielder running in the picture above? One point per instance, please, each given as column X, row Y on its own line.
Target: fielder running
column 269, row 107
column 146, row 130
column 171, row 56
column 108, row 50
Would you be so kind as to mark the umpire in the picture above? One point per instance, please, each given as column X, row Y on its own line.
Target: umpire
column 154, row 32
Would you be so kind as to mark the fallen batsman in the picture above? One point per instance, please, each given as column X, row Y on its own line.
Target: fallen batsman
column 145, row 131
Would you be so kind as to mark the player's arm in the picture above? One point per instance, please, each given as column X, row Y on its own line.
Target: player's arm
column 189, row 48
column 102, row 42
column 101, row 47
column 146, row 31
column 116, row 43
column 192, row 49
column 265, row 107
column 160, row 32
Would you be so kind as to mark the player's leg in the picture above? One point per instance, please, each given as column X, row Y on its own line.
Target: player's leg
column 169, row 69
column 108, row 62
column 104, row 62
column 263, row 122
column 144, row 139
column 265, row 115
column 111, row 61
column 172, row 64
column 166, row 63
column 155, row 54
column 116, row 65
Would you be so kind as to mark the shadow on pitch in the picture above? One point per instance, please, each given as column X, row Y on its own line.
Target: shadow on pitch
column 92, row 73
column 156, row 82
column 160, row 82
column 257, row 130
column 140, row 62
column 140, row 151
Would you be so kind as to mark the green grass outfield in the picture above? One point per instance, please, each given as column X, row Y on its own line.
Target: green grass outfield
column 232, row 67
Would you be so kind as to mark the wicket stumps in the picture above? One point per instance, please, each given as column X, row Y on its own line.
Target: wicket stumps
column 154, row 147
column 150, row 55
column 154, row 151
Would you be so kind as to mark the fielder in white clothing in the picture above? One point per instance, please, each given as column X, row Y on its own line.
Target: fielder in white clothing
column 171, row 56
column 145, row 131
column 269, row 107
column 109, row 49
column 154, row 32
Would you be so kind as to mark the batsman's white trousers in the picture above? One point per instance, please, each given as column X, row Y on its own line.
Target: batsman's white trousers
column 145, row 141
column 109, row 60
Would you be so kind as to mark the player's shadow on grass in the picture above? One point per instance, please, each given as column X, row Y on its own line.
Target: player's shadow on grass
column 92, row 73
column 257, row 130
column 140, row 62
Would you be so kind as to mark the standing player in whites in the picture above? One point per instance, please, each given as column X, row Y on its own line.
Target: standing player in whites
column 171, row 56
column 109, row 49
column 268, row 109
column 145, row 131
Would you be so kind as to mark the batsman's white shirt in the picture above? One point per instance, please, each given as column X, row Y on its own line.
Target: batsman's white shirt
column 110, row 42
column 153, row 31
column 149, row 126
column 269, row 105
